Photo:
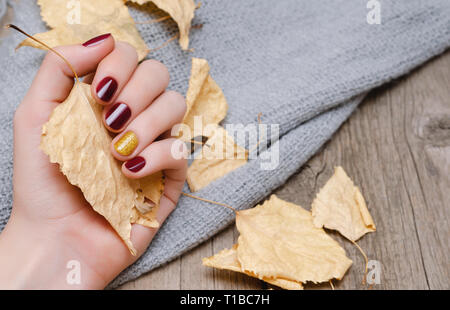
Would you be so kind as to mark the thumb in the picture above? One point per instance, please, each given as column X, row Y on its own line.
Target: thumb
column 55, row 79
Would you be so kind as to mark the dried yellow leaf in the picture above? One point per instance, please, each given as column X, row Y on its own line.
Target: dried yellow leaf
column 340, row 206
column 227, row 259
column 279, row 240
column 219, row 156
column 73, row 25
column 75, row 138
column 204, row 99
column 181, row 11
column 151, row 188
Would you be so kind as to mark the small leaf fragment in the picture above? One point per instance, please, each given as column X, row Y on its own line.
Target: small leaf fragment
column 279, row 240
column 340, row 206
column 227, row 259
column 220, row 155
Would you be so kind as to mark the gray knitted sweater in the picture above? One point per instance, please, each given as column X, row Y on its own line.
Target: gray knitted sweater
column 305, row 65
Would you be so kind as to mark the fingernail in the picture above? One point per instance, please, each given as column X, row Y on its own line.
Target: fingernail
column 106, row 88
column 96, row 40
column 117, row 116
column 126, row 144
column 135, row 164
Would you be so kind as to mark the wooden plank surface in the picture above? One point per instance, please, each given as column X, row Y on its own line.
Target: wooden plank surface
column 396, row 148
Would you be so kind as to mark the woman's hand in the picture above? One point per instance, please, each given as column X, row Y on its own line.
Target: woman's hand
column 51, row 222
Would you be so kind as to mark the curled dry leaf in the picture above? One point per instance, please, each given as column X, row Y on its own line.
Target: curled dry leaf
column 279, row 240
column 73, row 25
column 182, row 12
column 150, row 190
column 204, row 99
column 219, row 156
column 227, row 259
column 206, row 108
column 340, row 206
column 75, row 138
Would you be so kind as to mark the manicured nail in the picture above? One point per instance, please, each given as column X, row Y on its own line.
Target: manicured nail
column 135, row 164
column 126, row 144
column 117, row 116
column 96, row 40
column 106, row 88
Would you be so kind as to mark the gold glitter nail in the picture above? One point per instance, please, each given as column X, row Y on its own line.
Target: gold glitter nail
column 126, row 145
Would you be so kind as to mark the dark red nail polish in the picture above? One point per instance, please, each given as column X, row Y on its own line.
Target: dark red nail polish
column 106, row 88
column 96, row 40
column 117, row 116
column 135, row 164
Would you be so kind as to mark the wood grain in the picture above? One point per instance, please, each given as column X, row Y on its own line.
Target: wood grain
column 396, row 148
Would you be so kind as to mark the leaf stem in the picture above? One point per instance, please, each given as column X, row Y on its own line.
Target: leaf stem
column 165, row 43
column 365, row 258
column 210, row 201
column 152, row 21
column 46, row 46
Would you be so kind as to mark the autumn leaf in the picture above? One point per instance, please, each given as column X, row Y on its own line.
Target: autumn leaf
column 219, row 156
column 76, row 139
column 279, row 240
column 340, row 206
column 227, row 259
column 206, row 108
column 182, row 12
column 205, row 100
column 72, row 26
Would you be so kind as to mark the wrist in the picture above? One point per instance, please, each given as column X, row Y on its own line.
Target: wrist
column 35, row 258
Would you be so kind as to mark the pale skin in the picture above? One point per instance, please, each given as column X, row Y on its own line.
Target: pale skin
column 51, row 222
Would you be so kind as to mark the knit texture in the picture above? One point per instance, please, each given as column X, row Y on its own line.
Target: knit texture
column 304, row 65
column 3, row 8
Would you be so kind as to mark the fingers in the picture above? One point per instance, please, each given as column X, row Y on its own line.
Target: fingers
column 175, row 175
column 142, row 118
column 113, row 73
column 168, row 154
column 166, row 111
column 55, row 79
column 172, row 189
column 141, row 236
column 148, row 81
column 88, row 78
